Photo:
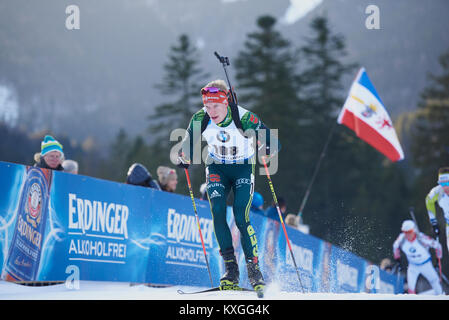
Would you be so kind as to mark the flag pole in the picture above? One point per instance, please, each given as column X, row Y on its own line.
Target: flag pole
column 323, row 153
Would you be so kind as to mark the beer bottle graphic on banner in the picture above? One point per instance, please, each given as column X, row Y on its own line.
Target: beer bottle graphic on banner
column 24, row 252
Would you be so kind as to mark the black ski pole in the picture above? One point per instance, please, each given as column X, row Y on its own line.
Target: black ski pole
column 198, row 223
column 225, row 62
column 270, row 183
column 317, row 167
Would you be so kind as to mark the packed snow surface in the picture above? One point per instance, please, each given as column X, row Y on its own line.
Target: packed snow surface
column 93, row 290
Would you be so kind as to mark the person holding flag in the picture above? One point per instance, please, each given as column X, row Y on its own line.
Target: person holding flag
column 439, row 194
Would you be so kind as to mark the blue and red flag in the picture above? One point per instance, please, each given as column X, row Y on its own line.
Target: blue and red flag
column 365, row 114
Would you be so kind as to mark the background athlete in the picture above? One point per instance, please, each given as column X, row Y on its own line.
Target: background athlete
column 415, row 246
column 439, row 194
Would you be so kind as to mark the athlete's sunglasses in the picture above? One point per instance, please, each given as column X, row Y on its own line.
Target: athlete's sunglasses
column 444, row 184
column 211, row 90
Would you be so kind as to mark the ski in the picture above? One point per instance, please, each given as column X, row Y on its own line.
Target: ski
column 258, row 291
column 215, row 289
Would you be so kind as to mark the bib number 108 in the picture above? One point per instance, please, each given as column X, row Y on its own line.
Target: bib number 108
column 226, row 151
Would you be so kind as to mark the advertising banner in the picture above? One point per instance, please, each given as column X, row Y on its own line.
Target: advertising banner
column 52, row 223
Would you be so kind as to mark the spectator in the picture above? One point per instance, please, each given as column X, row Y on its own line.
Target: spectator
column 387, row 265
column 138, row 175
column 51, row 155
column 70, row 166
column 272, row 212
column 168, row 179
column 257, row 204
column 292, row 220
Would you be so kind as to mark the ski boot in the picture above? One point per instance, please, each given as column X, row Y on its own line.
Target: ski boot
column 230, row 279
column 255, row 276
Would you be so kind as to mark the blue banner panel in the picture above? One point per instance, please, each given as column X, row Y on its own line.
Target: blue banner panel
column 347, row 271
column 52, row 223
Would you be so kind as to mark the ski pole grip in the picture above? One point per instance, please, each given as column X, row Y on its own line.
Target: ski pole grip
column 223, row 60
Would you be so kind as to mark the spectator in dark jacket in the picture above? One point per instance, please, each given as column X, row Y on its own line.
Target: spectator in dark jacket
column 138, row 175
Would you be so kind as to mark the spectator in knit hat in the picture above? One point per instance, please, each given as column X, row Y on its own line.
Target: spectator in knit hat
column 168, row 179
column 51, row 155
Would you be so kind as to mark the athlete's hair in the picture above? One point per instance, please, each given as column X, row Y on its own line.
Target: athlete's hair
column 443, row 170
column 220, row 84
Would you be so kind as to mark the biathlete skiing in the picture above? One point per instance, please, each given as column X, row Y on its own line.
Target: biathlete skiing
column 440, row 195
column 230, row 165
column 415, row 246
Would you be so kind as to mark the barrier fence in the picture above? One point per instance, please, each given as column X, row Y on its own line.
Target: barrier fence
column 54, row 222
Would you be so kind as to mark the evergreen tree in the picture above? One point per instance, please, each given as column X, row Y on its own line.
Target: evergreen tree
column 266, row 74
column 429, row 137
column 349, row 204
column 182, row 83
column 431, row 143
column 322, row 92
column 118, row 157
column 267, row 85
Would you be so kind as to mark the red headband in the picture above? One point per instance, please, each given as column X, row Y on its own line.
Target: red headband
column 214, row 96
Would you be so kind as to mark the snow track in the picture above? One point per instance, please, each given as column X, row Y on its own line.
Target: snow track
column 93, row 290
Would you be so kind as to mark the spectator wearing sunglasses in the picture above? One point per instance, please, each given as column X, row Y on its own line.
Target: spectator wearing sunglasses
column 440, row 195
column 230, row 165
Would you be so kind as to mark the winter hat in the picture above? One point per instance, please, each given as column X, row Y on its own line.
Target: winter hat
column 50, row 144
column 165, row 174
column 408, row 225
column 138, row 175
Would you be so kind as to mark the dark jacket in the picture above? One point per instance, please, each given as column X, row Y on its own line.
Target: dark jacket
column 42, row 164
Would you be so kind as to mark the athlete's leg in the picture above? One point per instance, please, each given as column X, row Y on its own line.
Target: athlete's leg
column 412, row 277
column 243, row 188
column 429, row 272
column 218, row 187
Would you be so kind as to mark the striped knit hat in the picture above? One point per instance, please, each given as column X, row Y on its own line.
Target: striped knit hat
column 50, row 144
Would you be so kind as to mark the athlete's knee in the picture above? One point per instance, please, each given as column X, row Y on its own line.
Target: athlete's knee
column 241, row 222
column 218, row 208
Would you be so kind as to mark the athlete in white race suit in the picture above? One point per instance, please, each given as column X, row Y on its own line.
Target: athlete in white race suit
column 415, row 246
